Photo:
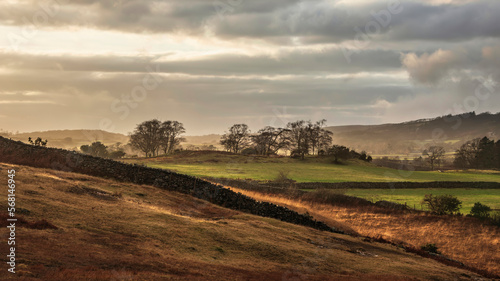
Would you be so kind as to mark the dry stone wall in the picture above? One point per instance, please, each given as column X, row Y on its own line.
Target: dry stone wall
column 19, row 153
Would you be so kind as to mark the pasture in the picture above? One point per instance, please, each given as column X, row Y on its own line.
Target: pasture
column 413, row 197
column 226, row 165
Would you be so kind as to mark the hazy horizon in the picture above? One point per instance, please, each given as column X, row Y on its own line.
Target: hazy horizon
column 112, row 65
column 224, row 130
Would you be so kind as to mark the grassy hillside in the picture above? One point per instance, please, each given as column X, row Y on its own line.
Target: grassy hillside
column 108, row 230
column 226, row 165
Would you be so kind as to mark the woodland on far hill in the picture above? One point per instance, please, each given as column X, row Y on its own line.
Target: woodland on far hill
column 403, row 139
column 450, row 132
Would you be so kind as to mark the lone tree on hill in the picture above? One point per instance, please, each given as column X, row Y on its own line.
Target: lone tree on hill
column 434, row 155
column 237, row 139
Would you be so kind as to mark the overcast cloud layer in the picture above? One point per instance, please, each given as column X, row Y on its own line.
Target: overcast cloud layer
column 112, row 64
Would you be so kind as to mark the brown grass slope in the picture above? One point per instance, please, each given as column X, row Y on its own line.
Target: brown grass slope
column 108, row 230
column 467, row 240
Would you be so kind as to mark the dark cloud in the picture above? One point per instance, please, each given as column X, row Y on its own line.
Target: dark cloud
column 312, row 21
column 476, row 19
column 447, row 51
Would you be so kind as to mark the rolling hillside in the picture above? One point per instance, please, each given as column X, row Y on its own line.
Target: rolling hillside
column 78, row 227
column 414, row 136
column 386, row 139
column 69, row 139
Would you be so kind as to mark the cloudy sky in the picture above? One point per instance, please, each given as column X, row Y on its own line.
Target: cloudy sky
column 88, row 64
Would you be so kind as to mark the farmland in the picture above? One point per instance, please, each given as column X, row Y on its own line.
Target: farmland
column 108, row 230
column 225, row 165
column 413, row 197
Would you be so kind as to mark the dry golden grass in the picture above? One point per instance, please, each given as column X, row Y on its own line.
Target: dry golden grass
column 461, row 238
column 108, row 230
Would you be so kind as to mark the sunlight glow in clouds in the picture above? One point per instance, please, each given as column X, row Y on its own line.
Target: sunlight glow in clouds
column 242, row 66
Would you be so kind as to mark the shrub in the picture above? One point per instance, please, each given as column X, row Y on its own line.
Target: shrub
column 480, row 211
column 283, row 179
column 431, row 248
column 442, row 204
column 117, row 154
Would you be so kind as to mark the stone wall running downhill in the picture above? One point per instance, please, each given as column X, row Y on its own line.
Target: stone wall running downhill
column 16, row 152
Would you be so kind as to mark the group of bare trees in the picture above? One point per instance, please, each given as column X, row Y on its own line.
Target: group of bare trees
column 300, row 138
column 479, row 153
column 98, row 149
column 154, row 136
column 37, row 142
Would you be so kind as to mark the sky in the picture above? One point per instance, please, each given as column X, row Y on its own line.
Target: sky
column 88, row 64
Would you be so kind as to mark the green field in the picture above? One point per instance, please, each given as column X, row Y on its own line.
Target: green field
column 216, row 164
column 225, row 165
column 413, row 197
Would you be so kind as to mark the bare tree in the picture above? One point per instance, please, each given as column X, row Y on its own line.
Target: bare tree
column 269, row 140
column 237, row 138
column 147, row 137
column 466, row 156
column 320, row 138
column 306, row 137
column 434, row 155
column 298, row 137
column 171, row 131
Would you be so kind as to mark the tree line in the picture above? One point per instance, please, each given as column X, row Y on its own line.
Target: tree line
column 299, row 138
column 479, row 153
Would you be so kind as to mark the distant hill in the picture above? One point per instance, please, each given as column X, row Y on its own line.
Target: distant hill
column 212, row 139
column 70, row 139
column 414, row 136
column 396, row 139
column 73, row 138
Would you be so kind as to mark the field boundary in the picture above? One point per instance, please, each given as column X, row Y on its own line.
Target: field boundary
column 397, row 185
column 16, row 152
